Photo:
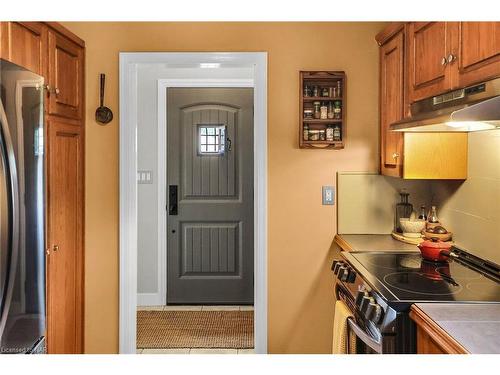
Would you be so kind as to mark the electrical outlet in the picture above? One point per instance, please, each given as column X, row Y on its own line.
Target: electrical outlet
column 145, row 177
column 328, row 195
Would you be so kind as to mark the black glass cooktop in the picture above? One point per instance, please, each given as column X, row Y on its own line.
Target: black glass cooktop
column 408, row 277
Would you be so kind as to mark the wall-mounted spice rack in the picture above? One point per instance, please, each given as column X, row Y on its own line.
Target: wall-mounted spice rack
column 322, row 109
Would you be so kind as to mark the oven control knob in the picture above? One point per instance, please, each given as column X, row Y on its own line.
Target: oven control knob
column 377, row 314
column 359, row 297
column 365, row 301
column 337, row 266
column 334, row 263
column 370, row 309
column 352, row 276
column 343, row 273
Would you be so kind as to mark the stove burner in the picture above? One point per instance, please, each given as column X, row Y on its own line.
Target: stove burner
column 405, row 262
column 418, row 283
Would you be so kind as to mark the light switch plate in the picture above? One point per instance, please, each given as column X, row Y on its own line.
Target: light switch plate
column 328, row 195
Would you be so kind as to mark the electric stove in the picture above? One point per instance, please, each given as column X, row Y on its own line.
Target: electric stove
column 380, row 287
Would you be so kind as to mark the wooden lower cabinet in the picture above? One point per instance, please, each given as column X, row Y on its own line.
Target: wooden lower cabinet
column 65, row 237
column 431, row 338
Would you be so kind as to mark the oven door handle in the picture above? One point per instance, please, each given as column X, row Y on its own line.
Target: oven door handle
column 363, row 336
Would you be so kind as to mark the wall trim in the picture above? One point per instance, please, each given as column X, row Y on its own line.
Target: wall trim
column 128, row 180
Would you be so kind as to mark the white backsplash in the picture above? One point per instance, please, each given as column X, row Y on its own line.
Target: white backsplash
column 366, row 201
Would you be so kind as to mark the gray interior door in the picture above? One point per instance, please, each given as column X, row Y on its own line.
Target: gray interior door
column 210, row 186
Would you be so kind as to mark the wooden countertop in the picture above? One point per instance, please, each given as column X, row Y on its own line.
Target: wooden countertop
column 461, row 327
column 371, row 242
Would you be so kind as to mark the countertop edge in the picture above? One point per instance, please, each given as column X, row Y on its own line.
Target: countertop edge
column 436, row 332
column 342, row 243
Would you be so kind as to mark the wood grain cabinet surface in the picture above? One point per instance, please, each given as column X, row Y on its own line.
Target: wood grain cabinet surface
column 443, row 56
column 55, row 53
column 392, row 104
column 477, row 51
column 65, row 77
column 419, row 60
column 65, row 221
column 431, row 338
column 24, row 44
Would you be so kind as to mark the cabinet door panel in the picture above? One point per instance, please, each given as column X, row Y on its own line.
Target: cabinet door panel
column 478, row 51
column 391, row 103
column 427, row 72
column 24, row 44
column 65, row 76
column 65, row 230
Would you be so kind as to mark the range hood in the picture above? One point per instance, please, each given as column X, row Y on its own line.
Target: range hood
column 469, row 109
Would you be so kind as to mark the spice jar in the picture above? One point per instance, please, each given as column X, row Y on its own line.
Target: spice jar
column 308, row 113
column 323, row 111
column 306, row 132
column 337, row 135
column 317, row 110
column 314, row 135
column 322, row 135
column 339, row 89
column 307, row 91
column 315, row 91
column 337, row 110
column 332, row 92
column 329, row 133
column 330, row 113
column 325, row 92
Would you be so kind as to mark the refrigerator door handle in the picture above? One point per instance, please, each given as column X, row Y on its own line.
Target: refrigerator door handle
column 14, row 188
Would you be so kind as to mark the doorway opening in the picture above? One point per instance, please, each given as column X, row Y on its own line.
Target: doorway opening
column 202, row 206
column 209, row 224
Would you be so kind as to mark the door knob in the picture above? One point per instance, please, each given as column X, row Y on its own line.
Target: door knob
column 57, row 91
column 451, row 58
column 55, row 248
column 395, row 155
column 444, row 61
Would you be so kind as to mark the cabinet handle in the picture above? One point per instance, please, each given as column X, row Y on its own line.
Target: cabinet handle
column 57, row 91
column 395, row 155
column 55, row 248
column 444, row 61
column 451, row 58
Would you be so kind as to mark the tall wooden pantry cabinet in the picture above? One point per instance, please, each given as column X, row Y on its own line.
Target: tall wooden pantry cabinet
column 58, row 55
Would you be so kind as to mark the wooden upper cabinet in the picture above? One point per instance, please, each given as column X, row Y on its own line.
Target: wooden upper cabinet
column 477, row 51
column 391, row 103
column 66, row 60
column 24, row 43
column 428, row 71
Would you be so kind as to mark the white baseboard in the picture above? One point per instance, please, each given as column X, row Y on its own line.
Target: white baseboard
column 149, row 299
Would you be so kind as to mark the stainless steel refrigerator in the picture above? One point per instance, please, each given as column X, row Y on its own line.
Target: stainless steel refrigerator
column 22, row 215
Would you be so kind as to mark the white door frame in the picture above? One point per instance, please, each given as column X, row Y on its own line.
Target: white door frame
column 128, row 180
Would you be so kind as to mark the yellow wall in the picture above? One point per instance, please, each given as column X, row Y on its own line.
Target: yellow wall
column 301, row 230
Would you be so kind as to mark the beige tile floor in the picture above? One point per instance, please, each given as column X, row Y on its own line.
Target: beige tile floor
column 195, row 350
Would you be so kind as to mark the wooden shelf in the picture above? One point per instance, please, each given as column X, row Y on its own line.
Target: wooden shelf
column 320, row 121
column 323, row 144
column 321, row 98
column 322, row 79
